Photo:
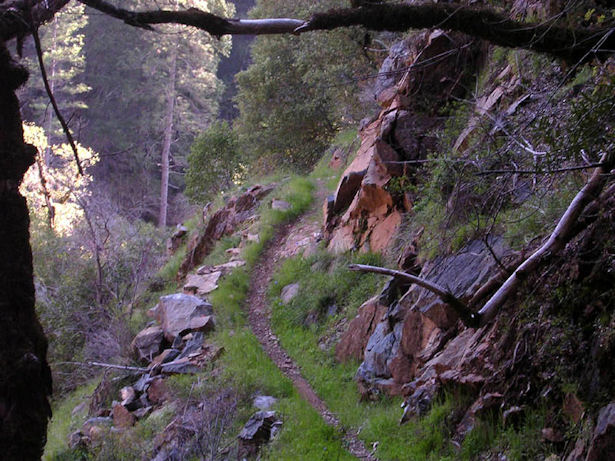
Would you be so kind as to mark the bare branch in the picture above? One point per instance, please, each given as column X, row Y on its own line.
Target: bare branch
column 562, row 233
column 106, row 365
column 468, row 317
column 570, row 44
column 555, row 171
column 54, row 104
column 215, row 25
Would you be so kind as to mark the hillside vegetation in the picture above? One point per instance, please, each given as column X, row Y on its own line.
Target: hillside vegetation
column 396, row 246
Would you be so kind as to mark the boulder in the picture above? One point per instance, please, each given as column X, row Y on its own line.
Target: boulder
column 355, row 338
column 201, row 285
column 178, row 366
column 384, row 231
column 96, row 428
column 462, row 273
column 602, row 445
column 78, row 440
column 122, row 418
column 181, row 313
column 400, row 55
column 165, row 356
column 338, row 158
column 157, row 391
column 128, row 395
column 289, row 292
column 280, row 205
column 148, row 343
column 142, row 412
column 577, row 452
column 176, row 239
column 380, row 348
column 264, row 402
column 260, row 429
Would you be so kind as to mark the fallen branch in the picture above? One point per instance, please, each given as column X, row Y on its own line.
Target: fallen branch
column 468, row 317
column 561, row 235
column 106, row 365
column 495, row 26
column 557, row 240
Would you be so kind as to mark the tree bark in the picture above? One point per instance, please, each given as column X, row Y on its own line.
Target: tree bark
column 168, row 134
column 25, row 378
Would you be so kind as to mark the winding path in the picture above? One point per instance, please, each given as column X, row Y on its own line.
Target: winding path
column 260, row 323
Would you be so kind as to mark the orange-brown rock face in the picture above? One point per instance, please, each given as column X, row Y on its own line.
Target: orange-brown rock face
column 363, row 213
column 354, row 340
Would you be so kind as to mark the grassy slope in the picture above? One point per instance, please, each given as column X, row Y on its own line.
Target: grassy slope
column 245, row 367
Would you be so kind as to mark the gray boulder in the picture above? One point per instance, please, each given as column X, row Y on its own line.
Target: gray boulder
column 289, row 292
column 602, row 446
column 148, row 343
column 180, row 313
column 260, row 429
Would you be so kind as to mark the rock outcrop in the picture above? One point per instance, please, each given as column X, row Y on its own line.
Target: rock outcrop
column 223, row 222
column 418, row 326
column 603, row 441
column 365, row 212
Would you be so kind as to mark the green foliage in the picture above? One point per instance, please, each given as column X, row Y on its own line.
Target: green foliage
column 62, row 41
column 213, row 163
column 84, row 310
column 299, row 90
column 63, row 422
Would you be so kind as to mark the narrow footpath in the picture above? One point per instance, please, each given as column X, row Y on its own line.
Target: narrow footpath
column 259, row 317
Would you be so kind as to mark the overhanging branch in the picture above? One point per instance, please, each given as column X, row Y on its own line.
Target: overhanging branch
column 494, row 26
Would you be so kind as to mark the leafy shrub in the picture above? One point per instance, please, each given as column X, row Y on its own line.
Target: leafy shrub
column 213, row 162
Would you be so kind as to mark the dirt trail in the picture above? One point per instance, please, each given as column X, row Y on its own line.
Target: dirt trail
column 259, row 316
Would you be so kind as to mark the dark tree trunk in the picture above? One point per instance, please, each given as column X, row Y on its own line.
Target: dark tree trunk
column 25, row 378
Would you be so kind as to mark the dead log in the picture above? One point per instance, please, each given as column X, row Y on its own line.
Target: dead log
column 468, row 317
column 562, row 234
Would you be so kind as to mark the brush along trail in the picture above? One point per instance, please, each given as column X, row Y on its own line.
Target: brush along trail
column 260, row 322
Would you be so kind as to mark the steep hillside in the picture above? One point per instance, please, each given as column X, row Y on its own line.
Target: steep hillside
column 452, row 299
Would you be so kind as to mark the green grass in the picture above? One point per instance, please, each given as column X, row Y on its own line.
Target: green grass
column 64, row 422
column 245, row 366
column 325, row 279
column 298, row 192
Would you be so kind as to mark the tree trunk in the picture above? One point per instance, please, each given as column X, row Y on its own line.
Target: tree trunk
column 166, row 146
column 25, row 378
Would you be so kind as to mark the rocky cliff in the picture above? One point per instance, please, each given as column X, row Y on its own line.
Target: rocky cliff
column 409, row 341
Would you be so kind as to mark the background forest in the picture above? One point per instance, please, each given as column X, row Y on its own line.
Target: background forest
column 97, row 238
